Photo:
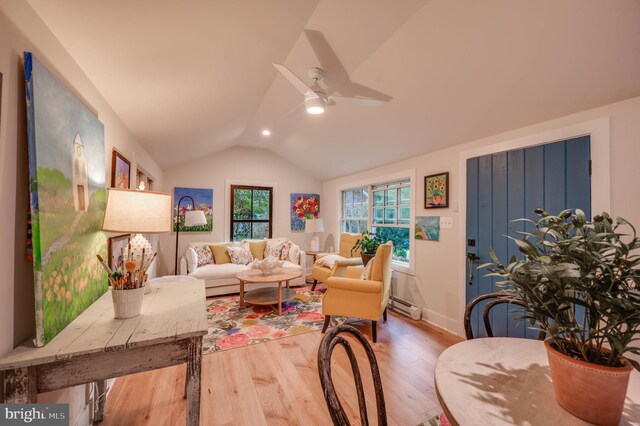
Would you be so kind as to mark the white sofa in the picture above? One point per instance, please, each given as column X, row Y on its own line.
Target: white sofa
column 221, row 278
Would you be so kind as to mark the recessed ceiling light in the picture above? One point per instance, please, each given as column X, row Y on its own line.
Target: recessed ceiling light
column 266, row 132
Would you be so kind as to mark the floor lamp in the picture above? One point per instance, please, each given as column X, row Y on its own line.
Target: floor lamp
column 191, row 218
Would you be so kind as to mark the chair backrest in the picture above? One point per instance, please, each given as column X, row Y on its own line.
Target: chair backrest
column 498, row 298
column 347, row 241
column 328, row 343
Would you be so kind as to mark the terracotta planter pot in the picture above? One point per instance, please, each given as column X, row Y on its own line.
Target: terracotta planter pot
column 366, row 257
column 594, row 393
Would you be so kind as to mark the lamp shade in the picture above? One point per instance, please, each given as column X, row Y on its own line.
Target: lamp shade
column 194, row 218
column 313, row 225
column 141, row 212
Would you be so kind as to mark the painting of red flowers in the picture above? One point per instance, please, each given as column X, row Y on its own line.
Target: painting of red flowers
column 303, row 207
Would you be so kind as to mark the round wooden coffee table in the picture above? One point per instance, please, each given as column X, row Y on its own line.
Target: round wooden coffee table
column 268, row 295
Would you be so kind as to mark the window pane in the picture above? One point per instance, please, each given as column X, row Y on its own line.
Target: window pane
column 390, row 215
column 260, row 230
column 348, row 197
column 378, row 215
column 392, row 195
column 348, row 212
column 357, row 211
column 363, row 225
column 365, row 210
column 357, row 196
column 405, row 196
column 241, row 231
column 400, row 238
column 242, row 204
column 365, row 195
column 260, row 204
column 378, row 198
column 405, row 215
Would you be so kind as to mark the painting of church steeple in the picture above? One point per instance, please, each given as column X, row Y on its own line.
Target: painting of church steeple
column 80, row 181
column 67, row 195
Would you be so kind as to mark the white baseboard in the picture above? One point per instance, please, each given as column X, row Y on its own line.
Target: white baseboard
column 439, row 320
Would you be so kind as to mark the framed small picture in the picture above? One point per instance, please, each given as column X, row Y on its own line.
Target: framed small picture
column 115, row 248
column 436, row 191
column 120, row 171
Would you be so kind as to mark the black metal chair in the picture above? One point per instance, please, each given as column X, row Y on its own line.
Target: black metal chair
column 329, row 342
column 500, row 297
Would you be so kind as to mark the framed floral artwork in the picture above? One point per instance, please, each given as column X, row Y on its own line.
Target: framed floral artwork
column 436, row 191
column 303, row 207
column 120, row 171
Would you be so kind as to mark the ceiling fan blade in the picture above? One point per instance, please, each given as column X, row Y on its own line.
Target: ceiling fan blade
column 295, row 80
column 358, row 101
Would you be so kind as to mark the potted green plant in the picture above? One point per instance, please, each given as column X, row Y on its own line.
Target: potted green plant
column 579, row 281
column 368, row 243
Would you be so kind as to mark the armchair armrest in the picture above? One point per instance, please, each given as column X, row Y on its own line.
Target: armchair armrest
column 319, row 255
column 354, row 261
column 183, row 267
column 352, row 284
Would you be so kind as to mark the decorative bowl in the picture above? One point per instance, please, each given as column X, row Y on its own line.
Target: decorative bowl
column 267, row 265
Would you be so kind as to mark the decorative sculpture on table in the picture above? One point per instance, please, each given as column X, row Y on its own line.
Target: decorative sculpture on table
column 67, row 185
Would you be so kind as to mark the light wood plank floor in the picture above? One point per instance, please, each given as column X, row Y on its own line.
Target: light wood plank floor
column 276, row 383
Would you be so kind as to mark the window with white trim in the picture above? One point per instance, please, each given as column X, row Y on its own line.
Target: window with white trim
column 391, row 216
column 387, row 212
column 355, row 210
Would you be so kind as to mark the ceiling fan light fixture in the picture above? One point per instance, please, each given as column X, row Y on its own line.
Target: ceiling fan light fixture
column 314, row 105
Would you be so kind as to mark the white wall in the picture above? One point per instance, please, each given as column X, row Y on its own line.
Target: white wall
column 438, row 283
column 22, row 30
column 238, row 165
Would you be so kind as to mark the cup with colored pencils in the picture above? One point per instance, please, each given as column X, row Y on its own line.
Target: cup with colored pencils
column 128, row 280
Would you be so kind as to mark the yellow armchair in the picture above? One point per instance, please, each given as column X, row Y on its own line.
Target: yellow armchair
column 349, row 296
column 321, row 273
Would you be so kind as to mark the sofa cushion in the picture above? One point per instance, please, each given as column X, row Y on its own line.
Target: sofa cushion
column 220, row 255
column 204, row 255
column 274, row 247
column 240, row 255
column 218, row 271
column 257, row 248
column 294, row 254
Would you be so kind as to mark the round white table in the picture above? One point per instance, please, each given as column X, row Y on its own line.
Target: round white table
column 505, row 381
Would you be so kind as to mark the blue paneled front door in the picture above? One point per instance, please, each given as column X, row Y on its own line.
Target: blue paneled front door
column 510, row 185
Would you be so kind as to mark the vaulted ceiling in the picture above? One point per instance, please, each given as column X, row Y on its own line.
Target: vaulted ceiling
column 194, row 77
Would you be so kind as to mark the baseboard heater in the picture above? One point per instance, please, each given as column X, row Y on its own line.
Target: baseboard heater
column 406, row 308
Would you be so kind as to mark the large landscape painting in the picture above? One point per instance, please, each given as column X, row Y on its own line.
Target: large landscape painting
column 67, row 185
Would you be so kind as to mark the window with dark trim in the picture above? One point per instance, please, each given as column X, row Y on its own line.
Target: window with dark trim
column 251, row 212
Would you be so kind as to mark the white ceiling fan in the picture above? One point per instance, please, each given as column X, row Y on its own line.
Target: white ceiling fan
column 315, row 97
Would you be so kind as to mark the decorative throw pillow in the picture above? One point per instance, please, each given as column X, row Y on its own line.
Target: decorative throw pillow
column 220, row 254
column 284, row 254
column 273, row 248
column 294, row 254
column 239, row 255
column 257, row 248
column 366, row 272
column 192, row 259
column 329, row 260
column 205, row 256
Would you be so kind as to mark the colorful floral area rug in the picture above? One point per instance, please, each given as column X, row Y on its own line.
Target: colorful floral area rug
column 231, row 327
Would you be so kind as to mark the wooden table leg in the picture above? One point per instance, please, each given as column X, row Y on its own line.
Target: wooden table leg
column 101, row 390
column 194, row 371
column 241, row 293
column 19, row 386
column 279, row 297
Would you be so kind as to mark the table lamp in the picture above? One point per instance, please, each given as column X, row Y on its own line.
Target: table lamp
column 314, row 226
column 137, row 212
